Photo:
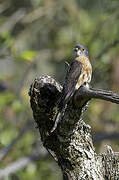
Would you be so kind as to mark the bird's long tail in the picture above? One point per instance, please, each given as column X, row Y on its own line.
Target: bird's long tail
column 58, row 117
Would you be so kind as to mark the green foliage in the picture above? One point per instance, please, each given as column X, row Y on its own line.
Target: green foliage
column 6, row 99
column 7, row 136
column 6, row 39
column 17, row 107
column 27, row 55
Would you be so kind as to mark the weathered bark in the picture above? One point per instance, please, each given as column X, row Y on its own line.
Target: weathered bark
column 71, row 143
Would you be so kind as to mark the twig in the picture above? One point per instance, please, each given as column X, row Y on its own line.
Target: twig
column 8, row 148
column 12, row 20
column 4, row 6
column 97, row 94
column 101, row 136
column 21, row 163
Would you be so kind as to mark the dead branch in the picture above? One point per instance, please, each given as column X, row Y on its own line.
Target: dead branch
column 71, row 143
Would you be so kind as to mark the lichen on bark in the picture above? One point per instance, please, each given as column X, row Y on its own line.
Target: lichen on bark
column 71, row 143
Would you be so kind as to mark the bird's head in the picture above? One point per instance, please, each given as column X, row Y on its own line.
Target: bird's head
column 80, row 50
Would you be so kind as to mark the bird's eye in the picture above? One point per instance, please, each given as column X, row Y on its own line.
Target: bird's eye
column 83, row 49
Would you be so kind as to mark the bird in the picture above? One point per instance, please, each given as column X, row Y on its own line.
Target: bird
column 79, row 73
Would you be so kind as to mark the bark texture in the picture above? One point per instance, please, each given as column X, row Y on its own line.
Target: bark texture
column 71, row 143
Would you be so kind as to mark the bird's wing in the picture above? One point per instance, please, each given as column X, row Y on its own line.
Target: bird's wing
column 68, row 88
column 70, row 82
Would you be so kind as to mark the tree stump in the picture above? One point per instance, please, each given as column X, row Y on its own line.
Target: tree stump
column 71, row 143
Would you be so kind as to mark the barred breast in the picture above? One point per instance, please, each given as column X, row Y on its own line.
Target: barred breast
column 86, row 73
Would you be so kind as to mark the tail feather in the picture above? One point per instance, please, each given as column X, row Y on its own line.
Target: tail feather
column 58, row 117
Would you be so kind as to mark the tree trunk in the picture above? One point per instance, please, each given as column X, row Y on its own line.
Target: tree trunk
column 71, row 143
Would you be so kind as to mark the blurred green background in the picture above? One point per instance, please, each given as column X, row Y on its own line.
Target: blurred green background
column 37, row 38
